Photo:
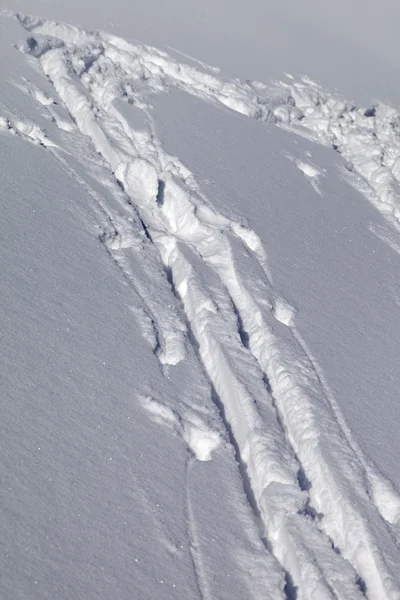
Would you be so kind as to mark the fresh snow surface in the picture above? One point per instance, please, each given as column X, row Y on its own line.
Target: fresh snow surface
column 200, row 321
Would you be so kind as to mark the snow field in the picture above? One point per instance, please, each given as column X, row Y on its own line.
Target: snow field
column 322, row 508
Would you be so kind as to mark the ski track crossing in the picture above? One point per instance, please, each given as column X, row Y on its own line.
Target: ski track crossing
column 326, row 515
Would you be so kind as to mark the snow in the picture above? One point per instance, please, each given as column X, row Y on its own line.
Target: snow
column 200, row 315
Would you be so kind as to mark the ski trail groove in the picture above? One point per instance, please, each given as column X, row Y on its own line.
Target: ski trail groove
column 242, row 466
column 304, row 475
column 201, row 580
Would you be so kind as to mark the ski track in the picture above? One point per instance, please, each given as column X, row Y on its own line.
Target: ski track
column 201, row 579
column 325, row 512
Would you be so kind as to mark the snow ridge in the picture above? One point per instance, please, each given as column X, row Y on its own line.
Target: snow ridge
column 321, row 505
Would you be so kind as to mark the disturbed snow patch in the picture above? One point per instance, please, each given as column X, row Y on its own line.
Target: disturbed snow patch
column 200, row 439
column 310, row 171
column 284, row 311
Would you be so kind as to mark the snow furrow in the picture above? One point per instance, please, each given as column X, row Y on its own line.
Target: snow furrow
column 267, row 462
column 201, row 579
column 313, row 430
column 299, row 428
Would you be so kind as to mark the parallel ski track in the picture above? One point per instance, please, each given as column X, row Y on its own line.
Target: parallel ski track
column 324, row 510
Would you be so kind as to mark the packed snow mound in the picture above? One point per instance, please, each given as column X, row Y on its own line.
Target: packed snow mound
column 328, row 516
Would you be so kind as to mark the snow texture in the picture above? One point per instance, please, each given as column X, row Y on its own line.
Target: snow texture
column 322, row 516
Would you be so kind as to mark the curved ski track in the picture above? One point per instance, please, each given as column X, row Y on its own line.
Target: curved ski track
column 326, row 514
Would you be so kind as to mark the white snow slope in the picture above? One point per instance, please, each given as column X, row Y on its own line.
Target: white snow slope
column 200, row 325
